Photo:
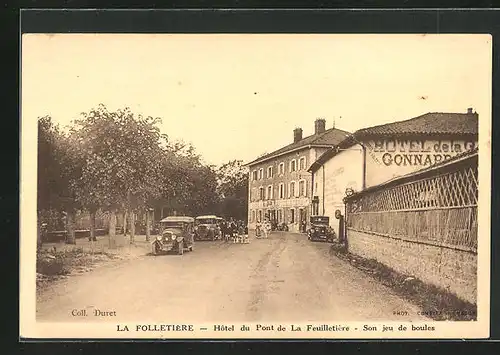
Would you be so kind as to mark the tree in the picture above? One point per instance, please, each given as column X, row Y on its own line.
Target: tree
column 188, row 186
column 57, row 170
column 233, row 189
column 122, row 156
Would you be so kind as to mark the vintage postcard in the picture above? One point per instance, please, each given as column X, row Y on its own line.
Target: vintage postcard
column 255, row 186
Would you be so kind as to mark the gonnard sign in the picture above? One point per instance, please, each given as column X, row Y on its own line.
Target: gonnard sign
column 419, row 152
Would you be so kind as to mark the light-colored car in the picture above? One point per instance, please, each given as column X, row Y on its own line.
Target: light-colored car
column 207, row 228
column 177, row 234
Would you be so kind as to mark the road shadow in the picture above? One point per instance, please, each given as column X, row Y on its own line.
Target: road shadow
column 165, row 253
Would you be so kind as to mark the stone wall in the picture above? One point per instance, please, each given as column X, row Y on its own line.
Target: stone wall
column 452, row 269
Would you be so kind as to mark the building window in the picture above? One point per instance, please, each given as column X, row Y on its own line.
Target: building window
column 302, row 163
column 254, row 175
column 261, row 193
column 253, row 217
column 291, row 190
column 261, row 174
column 302, row 188
column 282, row 190
column 281, row 169
column 270, row 192
column 260, row 216
column 269, row 172
column 293, row 165
column 292, row 215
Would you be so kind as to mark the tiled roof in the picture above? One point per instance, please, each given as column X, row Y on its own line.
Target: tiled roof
column 429, row 123
column 330, row 138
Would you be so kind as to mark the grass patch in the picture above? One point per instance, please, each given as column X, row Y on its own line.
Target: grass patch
column 52, row 264
column 437, row 303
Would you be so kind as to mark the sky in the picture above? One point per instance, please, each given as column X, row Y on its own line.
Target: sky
column 237, row 96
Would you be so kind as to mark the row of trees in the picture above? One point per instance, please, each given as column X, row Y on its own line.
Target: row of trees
column 118, row 161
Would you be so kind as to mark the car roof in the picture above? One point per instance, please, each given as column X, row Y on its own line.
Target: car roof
column 206, row 216
column 178, row 219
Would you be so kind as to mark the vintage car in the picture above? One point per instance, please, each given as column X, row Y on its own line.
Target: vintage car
column 207, row 228
column 320, row 229
column 177, row 234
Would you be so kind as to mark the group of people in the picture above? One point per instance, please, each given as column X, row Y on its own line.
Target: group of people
column 237, row 231
column 262, row 229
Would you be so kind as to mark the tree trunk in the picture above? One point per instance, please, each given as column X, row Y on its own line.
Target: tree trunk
column 125, row 223
column 92, row 226
column 112, row 229
column 70, row 227
column 132, row 227
column 148, row 222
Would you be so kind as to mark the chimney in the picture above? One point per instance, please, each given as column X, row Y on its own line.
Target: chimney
column 319, row 126
column 469, row 111
column 297, row 135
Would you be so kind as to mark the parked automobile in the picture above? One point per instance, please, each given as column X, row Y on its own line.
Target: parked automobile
column 320, row 229
column 283, row 227
column 177, row 234
column 219, row 221
column 207, row 228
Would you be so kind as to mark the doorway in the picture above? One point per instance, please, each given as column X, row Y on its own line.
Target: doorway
column 302, row 220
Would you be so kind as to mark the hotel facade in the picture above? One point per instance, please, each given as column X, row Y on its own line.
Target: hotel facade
column 375, row 155
column 279, row 182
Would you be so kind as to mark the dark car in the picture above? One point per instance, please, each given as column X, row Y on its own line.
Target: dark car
column 320, row 229
column 177, row 235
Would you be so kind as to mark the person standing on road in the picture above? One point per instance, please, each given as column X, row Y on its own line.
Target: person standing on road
column 223, row 230
column 265, row 229
column 303, row 226
column 234, row 230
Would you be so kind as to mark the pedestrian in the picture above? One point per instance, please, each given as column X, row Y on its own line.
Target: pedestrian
column 241, row 232
column 225, row 232
column 234, row 231
column 265, row 229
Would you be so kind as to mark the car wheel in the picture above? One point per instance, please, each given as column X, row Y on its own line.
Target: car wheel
column 190, row 248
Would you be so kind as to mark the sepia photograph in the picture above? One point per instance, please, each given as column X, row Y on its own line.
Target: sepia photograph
column 255, row 185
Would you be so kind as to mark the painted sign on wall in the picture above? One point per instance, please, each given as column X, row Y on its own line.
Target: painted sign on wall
column 418, row 153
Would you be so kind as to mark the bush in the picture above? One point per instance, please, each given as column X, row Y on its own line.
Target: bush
column 51, row 264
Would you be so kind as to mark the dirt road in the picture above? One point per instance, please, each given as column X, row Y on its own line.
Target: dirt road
column 283, row 278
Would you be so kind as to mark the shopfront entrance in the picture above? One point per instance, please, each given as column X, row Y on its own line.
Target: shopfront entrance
column 302, row 220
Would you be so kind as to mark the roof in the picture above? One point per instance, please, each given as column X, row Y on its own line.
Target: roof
column 327, row 139
column 457, row 159
column 178, row 219
column 429, row 123
column 432, row 123
column 207, row 216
